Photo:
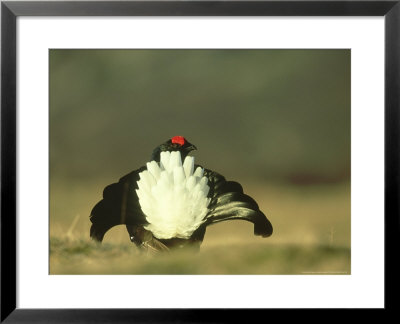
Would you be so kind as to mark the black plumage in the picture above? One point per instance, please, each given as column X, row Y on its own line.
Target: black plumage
column 120, row 205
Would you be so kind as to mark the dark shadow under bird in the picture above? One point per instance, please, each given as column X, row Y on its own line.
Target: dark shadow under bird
column 170, row 202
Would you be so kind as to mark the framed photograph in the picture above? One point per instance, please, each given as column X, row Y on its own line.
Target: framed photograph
column 163, row 159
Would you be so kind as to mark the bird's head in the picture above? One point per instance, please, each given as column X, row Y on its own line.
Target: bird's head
column 176, row 143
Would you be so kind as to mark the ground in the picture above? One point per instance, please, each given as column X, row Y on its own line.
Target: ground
column 311, row 236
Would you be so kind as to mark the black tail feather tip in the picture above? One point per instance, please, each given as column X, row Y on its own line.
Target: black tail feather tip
column 265, row 230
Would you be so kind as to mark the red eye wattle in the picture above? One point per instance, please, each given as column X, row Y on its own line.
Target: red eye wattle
column 178, row 140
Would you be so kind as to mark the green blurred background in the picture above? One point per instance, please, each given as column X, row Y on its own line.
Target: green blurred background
column 277, row 121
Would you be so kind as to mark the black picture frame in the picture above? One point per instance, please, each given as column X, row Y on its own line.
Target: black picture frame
column 10, row 10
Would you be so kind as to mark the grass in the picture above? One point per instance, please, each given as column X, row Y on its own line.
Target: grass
column 311, row 236
column 87, row 257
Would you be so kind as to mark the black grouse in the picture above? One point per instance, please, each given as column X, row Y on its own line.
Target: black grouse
column 169, row 202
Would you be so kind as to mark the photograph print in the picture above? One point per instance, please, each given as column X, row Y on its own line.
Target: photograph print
column 200, row 161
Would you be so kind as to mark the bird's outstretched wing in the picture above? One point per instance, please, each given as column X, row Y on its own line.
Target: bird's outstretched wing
column 229, row 202
column 120, row 205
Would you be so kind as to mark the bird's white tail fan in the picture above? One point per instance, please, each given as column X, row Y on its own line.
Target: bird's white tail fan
column 173, row 196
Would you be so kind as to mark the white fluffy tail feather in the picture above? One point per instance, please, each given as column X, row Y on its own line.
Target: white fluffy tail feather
column 173, row 196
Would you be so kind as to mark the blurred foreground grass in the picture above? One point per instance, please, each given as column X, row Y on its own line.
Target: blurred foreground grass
column 83, row 257
column 311, row 236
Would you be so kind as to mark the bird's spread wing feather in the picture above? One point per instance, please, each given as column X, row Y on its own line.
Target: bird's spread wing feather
column 229, row 202
column 119, row 206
